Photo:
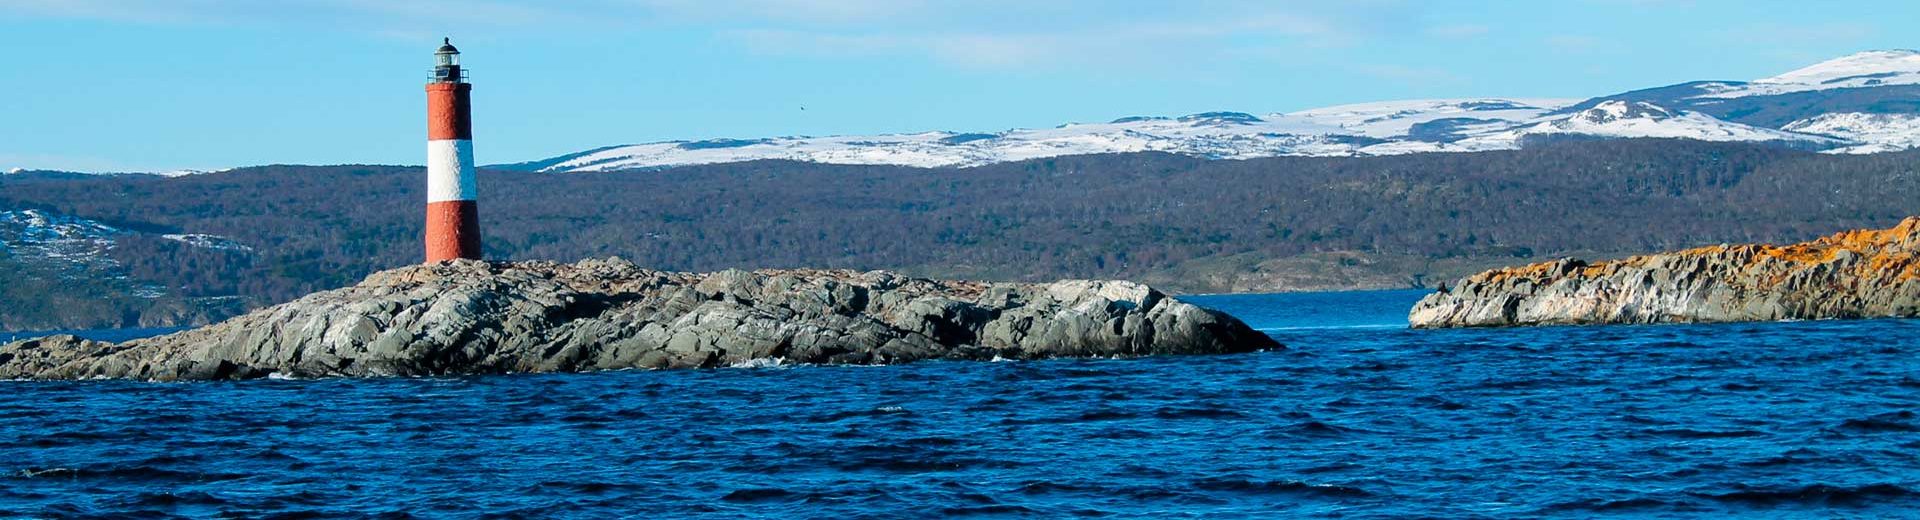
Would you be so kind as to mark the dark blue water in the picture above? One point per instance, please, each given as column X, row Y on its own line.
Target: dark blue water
column 1362, row 420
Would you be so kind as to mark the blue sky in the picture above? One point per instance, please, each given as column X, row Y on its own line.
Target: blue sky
column 151, row 85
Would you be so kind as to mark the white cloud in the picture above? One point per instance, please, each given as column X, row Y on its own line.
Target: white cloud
column 1411, row 76
column 970, row 33
column 1459, row 31
column 1576, row 43
column 1131, row 43
column 821, row 11
column 970, row 50
column 370, row 15
column 1774, row 35
column 185, row 11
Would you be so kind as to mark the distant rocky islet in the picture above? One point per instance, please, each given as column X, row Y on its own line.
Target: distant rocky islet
column 1856, row 274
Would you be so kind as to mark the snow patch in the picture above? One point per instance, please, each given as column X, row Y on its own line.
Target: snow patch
column 1858, row 70
column 1621, row 119
column 1387, row 119
column 1853, row 68
column 208, row 242
column 184, row 173
column 1880, row 132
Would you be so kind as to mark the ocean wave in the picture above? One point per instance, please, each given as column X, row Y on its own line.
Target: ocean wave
column 1891, row 422
column 1690, row 433
column 1237, row 484
column 1812, row 494
column 1616, row 505
column 777, row 362
column 880, row 411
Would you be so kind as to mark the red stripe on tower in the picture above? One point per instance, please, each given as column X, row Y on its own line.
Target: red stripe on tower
column 453, row 219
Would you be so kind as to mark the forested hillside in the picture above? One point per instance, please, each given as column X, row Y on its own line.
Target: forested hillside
column 1192, row 225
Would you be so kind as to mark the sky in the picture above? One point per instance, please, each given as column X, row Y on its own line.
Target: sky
column 160, row 85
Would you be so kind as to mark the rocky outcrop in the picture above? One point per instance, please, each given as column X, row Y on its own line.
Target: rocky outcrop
column 466, row 317
column 1857, row 274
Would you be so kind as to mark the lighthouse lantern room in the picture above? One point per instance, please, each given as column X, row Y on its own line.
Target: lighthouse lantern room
column 446, row 66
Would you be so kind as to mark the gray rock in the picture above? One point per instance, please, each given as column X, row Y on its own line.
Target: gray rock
column 466, row 317
column 1857, row 274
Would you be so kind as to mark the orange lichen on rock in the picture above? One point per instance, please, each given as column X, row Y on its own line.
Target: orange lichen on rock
column 1535, row 272
column 1873, row 244
column 1899, row 264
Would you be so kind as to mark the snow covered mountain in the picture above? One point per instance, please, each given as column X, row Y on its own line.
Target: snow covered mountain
column 1859, row 70
column 1862, row 103
column 1363, row 129
column 1223, row 135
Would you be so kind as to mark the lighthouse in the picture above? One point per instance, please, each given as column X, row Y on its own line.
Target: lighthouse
column 453, row 219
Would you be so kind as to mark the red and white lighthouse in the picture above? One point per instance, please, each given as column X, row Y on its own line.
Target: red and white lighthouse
column 453, row 219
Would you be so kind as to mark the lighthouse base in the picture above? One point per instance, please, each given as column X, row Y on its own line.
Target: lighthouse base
column 453, row 230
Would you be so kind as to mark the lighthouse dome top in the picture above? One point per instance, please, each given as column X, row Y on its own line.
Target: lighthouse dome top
column 446, row 47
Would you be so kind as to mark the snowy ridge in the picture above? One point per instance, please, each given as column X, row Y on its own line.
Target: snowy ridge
column 1880, row 132
column 1218, row 135
column 1362, row 129
column 1685, row 111
column 1389, row 119
column 1858, row 70
column 1385, row 128
column 1629, row 119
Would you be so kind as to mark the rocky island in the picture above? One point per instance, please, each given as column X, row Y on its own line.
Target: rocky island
column 1856, row 274
column 474, row 317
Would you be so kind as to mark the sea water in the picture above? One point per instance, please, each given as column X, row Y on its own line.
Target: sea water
column 1358, row 418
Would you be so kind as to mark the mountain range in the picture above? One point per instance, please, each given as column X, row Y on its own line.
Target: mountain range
column 1861, row 103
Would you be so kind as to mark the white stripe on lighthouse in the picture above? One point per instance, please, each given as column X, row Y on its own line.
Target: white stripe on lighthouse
column 450, row 171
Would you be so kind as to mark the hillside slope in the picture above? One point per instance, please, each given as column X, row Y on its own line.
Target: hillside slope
column 1190, row 225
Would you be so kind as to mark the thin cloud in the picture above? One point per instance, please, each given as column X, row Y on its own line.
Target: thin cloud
column 968, row 50
column 1411, row 76
column 1459, row 31
column 813, row 11
column 1774, row 35
column 1576, row 43
column 1133, row 43
column 976, row 34
column 373, row 15
column 186, row 11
